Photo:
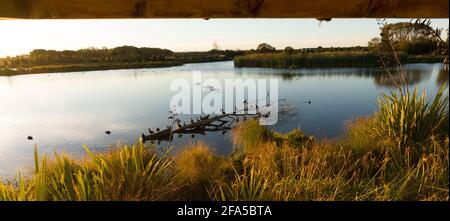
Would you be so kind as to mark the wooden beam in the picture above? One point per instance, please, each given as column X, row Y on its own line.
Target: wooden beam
column 74, row 9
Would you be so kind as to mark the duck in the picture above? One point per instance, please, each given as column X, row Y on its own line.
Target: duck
column 29, row 137
column 309, row 102
column 108, row 132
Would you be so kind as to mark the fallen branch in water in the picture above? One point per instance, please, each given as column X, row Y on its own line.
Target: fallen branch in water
column 216, row 123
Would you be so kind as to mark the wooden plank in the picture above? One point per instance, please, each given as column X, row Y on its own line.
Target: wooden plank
column 68, row 9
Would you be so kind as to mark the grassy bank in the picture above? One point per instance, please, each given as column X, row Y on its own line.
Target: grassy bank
column 399, row 153
column 358, row 59
column 85, row 67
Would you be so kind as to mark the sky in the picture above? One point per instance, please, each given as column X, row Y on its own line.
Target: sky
column 22, row 36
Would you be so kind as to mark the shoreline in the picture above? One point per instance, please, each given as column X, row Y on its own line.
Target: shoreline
column 94, row 67
column 84, row 67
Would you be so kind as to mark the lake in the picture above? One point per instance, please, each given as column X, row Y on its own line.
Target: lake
column 62, row 111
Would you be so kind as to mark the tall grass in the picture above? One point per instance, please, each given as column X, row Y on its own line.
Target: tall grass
column 406, row 117
column 308, row 60
column 333, row 171
column 198, row 170
column 358, row 59
column 131, row 173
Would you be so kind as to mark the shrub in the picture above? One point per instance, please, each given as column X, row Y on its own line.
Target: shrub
column 407, row 118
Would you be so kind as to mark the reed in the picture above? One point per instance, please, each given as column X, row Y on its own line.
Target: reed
column 308, row 60
column 328, row 59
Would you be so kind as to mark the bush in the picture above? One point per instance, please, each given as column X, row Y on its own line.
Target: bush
column 407, row 118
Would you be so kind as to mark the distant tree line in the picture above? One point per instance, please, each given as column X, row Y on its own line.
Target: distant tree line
column 123, row 54
column 41, row 57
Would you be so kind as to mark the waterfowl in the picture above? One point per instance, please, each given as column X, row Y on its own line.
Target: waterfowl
column 29, row 137
column 108, row 132
column 309, row 102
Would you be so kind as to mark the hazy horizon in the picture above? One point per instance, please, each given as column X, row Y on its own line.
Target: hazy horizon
column 21, row 36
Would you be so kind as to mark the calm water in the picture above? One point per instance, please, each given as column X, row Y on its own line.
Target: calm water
column 62, row 111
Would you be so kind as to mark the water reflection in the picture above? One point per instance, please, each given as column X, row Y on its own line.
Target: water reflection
column 442, row 77
column 411, row 74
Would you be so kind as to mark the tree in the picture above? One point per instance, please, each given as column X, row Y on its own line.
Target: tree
column 411, row 37
column 289, row 50
column 373, row 44
column 264, row 48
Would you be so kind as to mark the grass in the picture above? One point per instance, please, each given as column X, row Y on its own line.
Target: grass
column 357, row 59
column 399, row 153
